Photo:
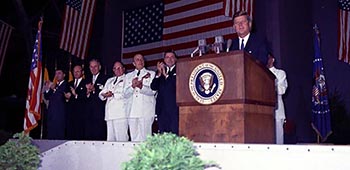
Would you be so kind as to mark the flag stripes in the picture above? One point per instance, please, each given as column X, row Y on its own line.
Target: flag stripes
column 77, row 26
column 5, row 34
column 344, row 30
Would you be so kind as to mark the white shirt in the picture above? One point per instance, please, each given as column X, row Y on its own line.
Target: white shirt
column 245, row 40
column 77, row 81
column 94, row 77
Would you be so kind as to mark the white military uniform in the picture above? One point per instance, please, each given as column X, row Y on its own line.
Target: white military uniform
column 116, row 114
column 281, row 86
column 140, row 105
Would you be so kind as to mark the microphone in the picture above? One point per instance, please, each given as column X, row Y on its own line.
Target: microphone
column 202, row 45
column 228, row 45
column 194, row 51
column 219, row 40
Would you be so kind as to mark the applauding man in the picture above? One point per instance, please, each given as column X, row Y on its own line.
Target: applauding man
column 165, row 84
column 115, row 115
column 140, row 100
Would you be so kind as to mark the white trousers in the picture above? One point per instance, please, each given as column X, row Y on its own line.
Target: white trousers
column 279, row 131
column 140, row 128
column 117, row 130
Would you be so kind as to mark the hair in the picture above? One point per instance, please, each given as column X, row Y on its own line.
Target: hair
column 242, row 13
column 97, row 61
column 170, row 51
column 61, row 69
column 121, row 63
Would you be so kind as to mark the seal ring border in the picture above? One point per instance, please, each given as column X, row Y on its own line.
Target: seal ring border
column 192, row 83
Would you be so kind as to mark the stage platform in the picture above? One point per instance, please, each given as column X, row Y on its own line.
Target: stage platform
column 101, row 155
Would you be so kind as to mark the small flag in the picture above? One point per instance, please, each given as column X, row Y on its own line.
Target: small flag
column 321, row 119
column 33, row 101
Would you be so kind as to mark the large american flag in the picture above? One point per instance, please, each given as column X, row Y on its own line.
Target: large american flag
column 33, row 101
column 77, row 26
column 5, row 34
column 344, row 30
column 177, row 25
column 321, row 118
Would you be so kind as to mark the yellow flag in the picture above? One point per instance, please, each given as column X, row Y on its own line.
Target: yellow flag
column 70, row 78
column 46, row 75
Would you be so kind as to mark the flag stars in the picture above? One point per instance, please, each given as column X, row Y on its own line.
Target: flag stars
column 144, row 25
column 344, row 4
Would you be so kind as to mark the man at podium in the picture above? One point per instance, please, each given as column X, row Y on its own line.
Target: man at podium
column 254, row 44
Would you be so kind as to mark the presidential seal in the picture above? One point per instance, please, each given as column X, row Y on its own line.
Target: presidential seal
column 206, row 83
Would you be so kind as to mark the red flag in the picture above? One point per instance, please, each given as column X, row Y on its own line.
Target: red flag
column 177, row 25
column 5, row 34
column 77, row 26
column 32, row 112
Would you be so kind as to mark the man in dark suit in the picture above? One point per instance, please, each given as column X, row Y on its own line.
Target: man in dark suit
column 96, row 128
column 56, row 93
column 165, row 84
column 76, row 114
column 253, row 43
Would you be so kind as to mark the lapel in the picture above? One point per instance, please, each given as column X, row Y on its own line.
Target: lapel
column 172, row 72
column 235, row 44
column 248, row 46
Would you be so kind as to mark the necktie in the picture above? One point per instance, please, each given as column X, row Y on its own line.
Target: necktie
column 76, row 83
column 115, row 81
column 242, row 44
column 138, row 73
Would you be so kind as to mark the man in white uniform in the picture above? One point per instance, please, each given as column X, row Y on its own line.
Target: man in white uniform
column 281, row 87
column 140, row 100
column 115, row 114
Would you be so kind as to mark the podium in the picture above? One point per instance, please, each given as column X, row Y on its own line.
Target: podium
column 242, row 108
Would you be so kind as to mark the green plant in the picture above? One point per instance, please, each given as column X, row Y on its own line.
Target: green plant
column 19, row 154
column 166, row 152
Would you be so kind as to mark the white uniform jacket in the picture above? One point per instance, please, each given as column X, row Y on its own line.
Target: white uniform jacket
column 115, row 105
column 281, row 86
column 140, row 102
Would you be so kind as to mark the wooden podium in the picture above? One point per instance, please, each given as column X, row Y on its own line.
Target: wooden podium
column 244, row 113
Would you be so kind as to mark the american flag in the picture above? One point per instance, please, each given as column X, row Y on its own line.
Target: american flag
column 5, row 34
column 344, row 30
column 32, row 112
column 321, row 118
column 177, row 25
column 77, row 26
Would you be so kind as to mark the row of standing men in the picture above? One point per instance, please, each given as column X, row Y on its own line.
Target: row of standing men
column 139, row 89
column 102, row 108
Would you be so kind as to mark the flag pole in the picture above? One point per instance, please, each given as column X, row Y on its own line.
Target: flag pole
column 41, row 108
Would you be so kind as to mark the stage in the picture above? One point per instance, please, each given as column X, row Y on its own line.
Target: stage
column 101, row 155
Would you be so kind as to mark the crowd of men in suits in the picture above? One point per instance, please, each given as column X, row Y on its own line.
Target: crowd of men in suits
column 118, row 108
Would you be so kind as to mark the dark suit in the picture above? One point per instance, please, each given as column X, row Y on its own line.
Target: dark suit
column 56, row 114
column 76, row 114
column 96, row 128
column 257, row 46
column 166, row 108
